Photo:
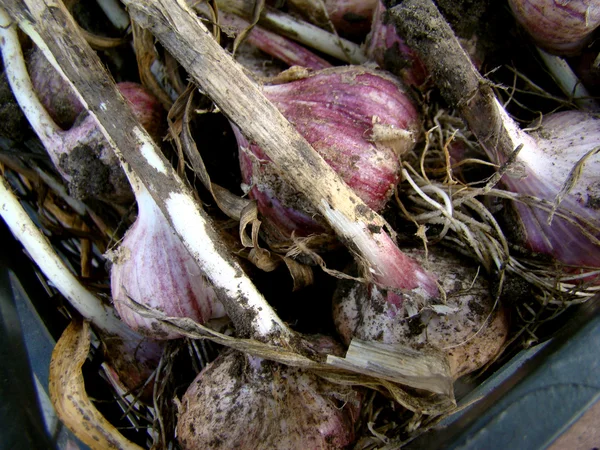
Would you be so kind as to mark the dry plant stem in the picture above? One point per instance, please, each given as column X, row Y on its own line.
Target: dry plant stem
column 183, row 34
column 298, row 30
column 52, row 28
column 428, row 33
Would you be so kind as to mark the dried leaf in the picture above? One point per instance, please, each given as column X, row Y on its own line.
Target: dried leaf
column 425, row 403
column 301, row 273
column 102, row 42
column 67, row 392
column 420, row 369
column 145, row 53
column 230, row 204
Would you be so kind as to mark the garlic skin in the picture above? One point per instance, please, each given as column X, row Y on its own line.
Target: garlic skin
column 457, row 326
column 153, row 267
column 389, row 51
column 132, row 362
column 543, row 165
column 359, row 120
column 244, row 402
column 561, row 27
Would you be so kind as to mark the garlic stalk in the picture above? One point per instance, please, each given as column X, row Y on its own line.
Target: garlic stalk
column 273, row 44
column 564, row 225
column 115, row 13
column 568, row 81
column 298, row 30
column 247, row 308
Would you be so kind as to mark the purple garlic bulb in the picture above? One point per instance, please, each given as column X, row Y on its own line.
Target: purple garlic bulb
column 389, row 51
column 551, row 152
column 359, row 120
column 350, row 18
column 561, row 27
column 153, row 267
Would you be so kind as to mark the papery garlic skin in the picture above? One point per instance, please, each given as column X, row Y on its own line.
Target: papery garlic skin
column 244, row 402
column 561, row 27
column 389, row 51
column 359, row 120
column 552, row 150
column 153, row 267
column 458, row 325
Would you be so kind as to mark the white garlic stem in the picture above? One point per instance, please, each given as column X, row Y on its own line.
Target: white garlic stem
column 18, row 77
column 237, row 292
column 303, row 32
column 568, row 81
column 40, row 250
column 115, row 13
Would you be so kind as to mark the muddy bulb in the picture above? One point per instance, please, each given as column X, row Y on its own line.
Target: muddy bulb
column 464, row 325
column 244, row 402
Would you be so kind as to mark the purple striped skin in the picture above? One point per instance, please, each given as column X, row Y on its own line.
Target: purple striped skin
column 334, row 109
column 383, row 38
column 559, row 27
column 155, row 269
column 557, row 145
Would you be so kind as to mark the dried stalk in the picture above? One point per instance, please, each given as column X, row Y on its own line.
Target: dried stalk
column 184, row 35
column 426, row 31
column 53, row 30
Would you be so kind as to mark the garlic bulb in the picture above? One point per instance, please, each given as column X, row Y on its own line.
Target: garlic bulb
column 244, row 402
column 543, row 166
column 359, row 120
column 459, row 324
column 153, row 267
column 80, row 153
column 562, row 27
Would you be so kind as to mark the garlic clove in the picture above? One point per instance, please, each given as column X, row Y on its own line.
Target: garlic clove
column 458, row 325
column 153, row 267
column 244, row 402
column 359, row 120
column 559, row 27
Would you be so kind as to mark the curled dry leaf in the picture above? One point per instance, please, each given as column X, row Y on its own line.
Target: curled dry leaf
column 68, row 395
